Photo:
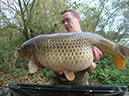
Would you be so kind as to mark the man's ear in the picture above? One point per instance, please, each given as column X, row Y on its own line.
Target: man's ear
column 78, row 18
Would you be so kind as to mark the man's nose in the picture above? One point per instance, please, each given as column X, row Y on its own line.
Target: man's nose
column 65, row 23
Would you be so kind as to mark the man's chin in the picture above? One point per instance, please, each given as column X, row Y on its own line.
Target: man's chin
column 69, row 30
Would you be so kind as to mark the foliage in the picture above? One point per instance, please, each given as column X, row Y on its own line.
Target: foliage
column 32, row 17
column 6, row 53
column 49, row 18
column 46, row 73
column 108, row 74
column 105, row 17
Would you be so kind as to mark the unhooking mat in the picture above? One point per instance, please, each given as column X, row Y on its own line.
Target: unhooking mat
column 20, row 89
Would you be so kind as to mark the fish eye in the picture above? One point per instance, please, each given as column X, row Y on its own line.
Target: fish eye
column 20, row 49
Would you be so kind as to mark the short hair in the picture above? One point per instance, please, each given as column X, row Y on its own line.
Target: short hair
column 73, row 11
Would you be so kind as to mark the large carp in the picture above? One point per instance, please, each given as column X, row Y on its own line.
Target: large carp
column 69, row 52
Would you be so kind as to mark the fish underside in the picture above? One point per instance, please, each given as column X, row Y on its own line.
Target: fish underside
column 69, row 52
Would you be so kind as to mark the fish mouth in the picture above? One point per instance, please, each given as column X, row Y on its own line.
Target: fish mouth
column 16, row 55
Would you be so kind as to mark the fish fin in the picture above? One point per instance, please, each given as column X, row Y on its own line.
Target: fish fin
column 104, row 53
column 123, row 51
column 119, row 61
column 32, row 66
column 69, row 75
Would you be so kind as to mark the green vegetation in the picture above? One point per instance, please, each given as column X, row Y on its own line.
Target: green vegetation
column 24, row 19
column 107, row 73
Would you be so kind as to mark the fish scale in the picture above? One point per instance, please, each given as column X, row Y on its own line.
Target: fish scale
column 62, row 45
column 69, row 52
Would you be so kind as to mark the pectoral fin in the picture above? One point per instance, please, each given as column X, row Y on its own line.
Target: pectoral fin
column 32, row 66
column 69, row 75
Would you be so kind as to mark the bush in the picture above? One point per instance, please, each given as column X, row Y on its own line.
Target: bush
column 110, row 75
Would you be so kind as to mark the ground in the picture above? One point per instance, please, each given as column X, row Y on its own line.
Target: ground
column 25, row 77
column 5, row 79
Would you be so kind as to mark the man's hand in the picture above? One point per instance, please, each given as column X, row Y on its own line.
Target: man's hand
column 97, row 55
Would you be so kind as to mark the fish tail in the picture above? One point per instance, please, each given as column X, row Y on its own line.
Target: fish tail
column 123, row 51
column 119, row 58
column 119, row 61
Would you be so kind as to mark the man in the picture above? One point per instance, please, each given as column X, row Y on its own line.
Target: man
column 71, row 19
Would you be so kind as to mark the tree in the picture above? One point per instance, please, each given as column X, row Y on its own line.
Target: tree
column 32, row 17
column 105, row 17
column 17, row 14
column 47, row 16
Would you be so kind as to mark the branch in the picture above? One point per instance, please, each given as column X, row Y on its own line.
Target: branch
column 5, row 17
column 21, row 10
column 10, row 7
column 114, row 13
column 15, row 27
column 32, row 7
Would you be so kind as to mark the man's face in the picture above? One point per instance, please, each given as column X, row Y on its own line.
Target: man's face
column 71, row 23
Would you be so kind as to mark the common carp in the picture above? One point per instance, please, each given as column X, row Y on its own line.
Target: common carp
column 69, row 52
